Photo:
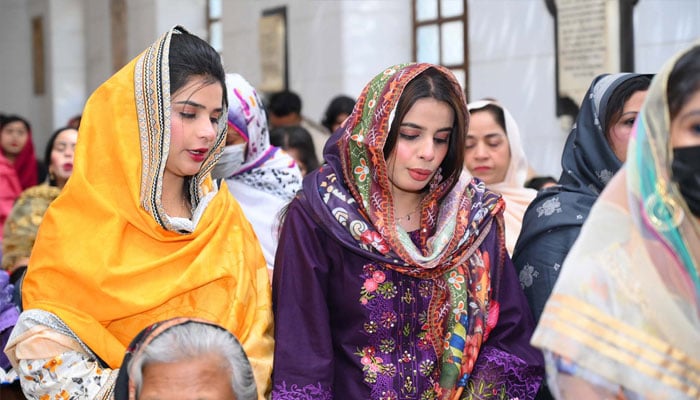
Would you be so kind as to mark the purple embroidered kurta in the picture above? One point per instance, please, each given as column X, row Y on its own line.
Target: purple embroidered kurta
column 347, row 327
column 365, row 311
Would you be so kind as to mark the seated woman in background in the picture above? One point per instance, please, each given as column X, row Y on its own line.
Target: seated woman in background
column 594, row 151
column 185, row 356
column 623, row 319
column 23, row 222
column 495, row 155
column 141, row 233
column 296, row 141
column 262, row 178
column 18, row 167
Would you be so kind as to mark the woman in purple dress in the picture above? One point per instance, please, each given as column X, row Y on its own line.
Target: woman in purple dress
column 391, row 277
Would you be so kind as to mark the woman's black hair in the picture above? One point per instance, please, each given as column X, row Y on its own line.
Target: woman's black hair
column 339, row 105
column 8, row 119
column 618, row 98
column 684, row 80
column 431, row 83
column 538, row 182
column 284, row 103
column 496, row 112
column 191, row 56
column 49, row 150
column 298, row 138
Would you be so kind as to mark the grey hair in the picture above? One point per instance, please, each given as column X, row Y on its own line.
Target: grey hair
column 195, row 339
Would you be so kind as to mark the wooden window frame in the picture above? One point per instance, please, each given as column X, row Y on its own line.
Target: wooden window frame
column 439, row 21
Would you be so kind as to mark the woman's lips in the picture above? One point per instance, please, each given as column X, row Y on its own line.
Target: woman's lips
column 198, row 155
column 419, row 174
column 67, row 167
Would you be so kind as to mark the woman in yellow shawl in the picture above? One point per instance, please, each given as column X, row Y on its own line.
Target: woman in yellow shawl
column 141, row 233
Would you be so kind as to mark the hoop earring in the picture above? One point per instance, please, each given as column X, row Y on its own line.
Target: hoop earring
column 664, row 212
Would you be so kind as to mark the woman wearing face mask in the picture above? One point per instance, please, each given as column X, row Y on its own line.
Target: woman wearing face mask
column 141, row 232
column 494, row 155
column 623, row 320
column 593, row 153
column 261, row 177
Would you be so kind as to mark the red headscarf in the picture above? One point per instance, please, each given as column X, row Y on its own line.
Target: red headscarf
column 25, row 163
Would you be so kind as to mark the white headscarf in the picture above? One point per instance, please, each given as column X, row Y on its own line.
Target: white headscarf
column 513, row 190
column 268, row 178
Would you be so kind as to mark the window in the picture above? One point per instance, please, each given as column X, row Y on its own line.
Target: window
column 214, row 24
column 440, row 35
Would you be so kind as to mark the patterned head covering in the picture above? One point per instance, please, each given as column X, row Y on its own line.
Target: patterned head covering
column 265, row 167
column 152, row 90
column 355, row 200
column 588, row 163
column 655, row 201
column 105, row 244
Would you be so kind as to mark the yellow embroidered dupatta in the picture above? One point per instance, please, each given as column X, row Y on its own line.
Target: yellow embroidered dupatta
column 106, row 260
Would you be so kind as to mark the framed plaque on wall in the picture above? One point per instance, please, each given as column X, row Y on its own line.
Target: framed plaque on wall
column 273, row 50
column 38, row 77
column 592, row 37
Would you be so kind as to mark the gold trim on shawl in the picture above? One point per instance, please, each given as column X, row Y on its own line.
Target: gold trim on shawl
column 620, row 342
column 152, row 95
column 113, row 269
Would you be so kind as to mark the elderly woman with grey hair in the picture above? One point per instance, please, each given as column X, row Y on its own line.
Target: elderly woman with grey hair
column 185, row 358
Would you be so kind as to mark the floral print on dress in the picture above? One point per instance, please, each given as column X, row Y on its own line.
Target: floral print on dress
column 362, row 170
column 398, row 361
column 69, row 375
column 308, row 392
column 605, row 176
column 549, row 207
column 375, row 240
column 527, row 276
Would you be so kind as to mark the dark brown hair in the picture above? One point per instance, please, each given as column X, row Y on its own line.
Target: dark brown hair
column 684, row 80
column 432, row 83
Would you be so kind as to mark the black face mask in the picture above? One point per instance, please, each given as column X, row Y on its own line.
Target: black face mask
column 686, row 171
